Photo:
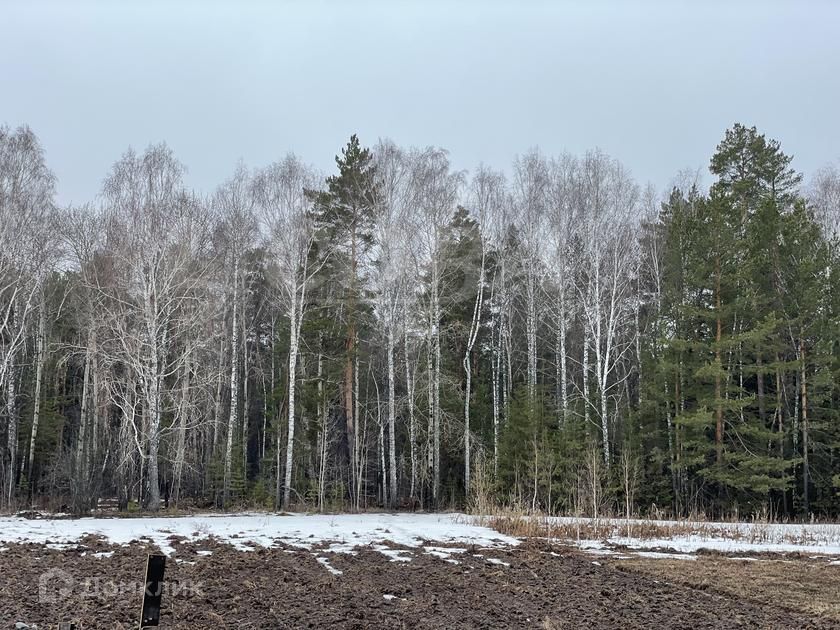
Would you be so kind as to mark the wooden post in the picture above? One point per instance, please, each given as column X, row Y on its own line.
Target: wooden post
column 153, row 591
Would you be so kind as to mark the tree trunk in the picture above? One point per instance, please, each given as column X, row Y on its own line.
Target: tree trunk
column 759, row 387
column 605, row 425
column 806, row 470
column 392, row 441
column 322, row 434
column 436, row 482
column 430, row 428
column 81, row 450
column 234, row 386
column 719, row 367
column 39, row 375
column 12, row 418
column 562, row 376
column 153, row 388
column 217, row 403
column 585, row 368
column 361, row 459
column 495, row 369
column 183, row 411
column 471, row 337
column 531, row 332
column 349, row 377
column 246, row 406
column 383, row 469
column 412, row 438
column 294, row 328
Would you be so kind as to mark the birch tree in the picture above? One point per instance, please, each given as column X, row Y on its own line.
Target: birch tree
column 608, row 234
column 288, row 229
column 147, row 207
column 531, row 192
column 390, row 275
column 234, row 201
column 497, row 229
column 824, row 195
column 487, row 195
column 26, row 205
column 434, row 195
column 83, row 232
column 559, row 259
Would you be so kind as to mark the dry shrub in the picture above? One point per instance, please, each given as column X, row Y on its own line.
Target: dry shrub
column 523, row 523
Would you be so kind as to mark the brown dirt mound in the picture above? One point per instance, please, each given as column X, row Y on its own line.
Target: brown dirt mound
column 288, row 588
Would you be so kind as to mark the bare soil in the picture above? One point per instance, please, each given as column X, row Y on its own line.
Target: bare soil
column 545, row 586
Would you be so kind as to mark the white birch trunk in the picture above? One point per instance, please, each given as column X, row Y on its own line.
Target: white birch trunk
column 471, row 337
column 234, row 384
column 81, row 463
column 294, row 328
column 585, row 368
column 39, row 375
column 153, row 388
column 217, row 404
column 531, row 332
column 436, row 391
column 409, row 384
column 246, row 368
column 392, row 442
column 183, row 411
column 12, row 418
column 564, row 386
column 495, row 363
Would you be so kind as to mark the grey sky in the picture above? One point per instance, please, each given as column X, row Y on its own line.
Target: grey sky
column 654, row 84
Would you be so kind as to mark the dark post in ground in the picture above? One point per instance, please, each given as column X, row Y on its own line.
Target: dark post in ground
column 153, row 591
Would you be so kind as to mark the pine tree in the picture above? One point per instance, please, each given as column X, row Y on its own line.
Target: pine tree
column 345, row 213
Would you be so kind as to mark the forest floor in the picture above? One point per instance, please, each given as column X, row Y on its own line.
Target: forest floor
column 380, row 571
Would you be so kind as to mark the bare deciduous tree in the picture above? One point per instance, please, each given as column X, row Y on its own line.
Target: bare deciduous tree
column 288, row 228
column 26, row 204
column 154, row 280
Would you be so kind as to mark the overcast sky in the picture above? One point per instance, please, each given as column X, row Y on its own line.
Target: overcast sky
column 654, row 84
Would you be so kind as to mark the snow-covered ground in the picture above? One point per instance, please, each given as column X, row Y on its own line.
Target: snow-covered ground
column 688, row 537
column 344, row 533
column 245, row 531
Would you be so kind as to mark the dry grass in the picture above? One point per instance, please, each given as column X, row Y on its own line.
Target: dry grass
column 520, row 523
column 802, row 585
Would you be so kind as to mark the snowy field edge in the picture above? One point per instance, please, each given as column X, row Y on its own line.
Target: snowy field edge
column 345, row 532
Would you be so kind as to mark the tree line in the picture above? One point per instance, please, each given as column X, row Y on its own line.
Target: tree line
column 401, row 333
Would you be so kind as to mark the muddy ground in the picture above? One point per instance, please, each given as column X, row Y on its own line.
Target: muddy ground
column 544, row 586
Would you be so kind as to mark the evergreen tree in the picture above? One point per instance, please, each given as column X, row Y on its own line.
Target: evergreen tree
column 345, row 214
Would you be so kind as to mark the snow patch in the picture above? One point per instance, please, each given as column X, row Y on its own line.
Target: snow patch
column 497, row 561
column 247, row 531
column 326, row 564
column 727, row 538
column 396, row 555
column 445, row 553
column 660, row 554
column 595, row 551
column 691, row 536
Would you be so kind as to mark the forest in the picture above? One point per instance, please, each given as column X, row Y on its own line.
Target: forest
column 401, row 334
